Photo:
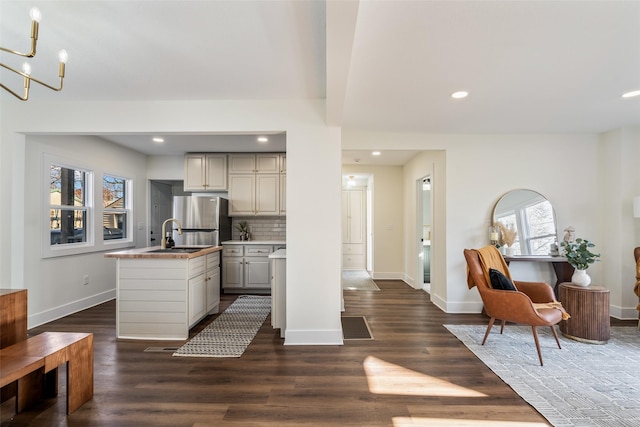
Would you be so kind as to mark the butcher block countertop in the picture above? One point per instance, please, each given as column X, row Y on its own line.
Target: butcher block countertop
column 147, row 253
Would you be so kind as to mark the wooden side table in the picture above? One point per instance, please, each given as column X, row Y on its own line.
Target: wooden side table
column 589, row 310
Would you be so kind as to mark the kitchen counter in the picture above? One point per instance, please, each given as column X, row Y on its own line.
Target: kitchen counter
column 254, row 242
column 279, row 254
column 148, row 254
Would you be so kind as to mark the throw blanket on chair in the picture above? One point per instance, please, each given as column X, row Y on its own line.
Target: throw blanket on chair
column 490, row 257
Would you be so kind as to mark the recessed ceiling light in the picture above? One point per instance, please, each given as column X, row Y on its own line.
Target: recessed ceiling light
column 157, row 139
column 375, row 153
column 631, row 94
column 460, row 94
column 263, row 139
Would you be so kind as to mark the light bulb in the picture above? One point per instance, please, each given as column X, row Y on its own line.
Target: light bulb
column 26, row 68
column 35, row 14
column 63, row 56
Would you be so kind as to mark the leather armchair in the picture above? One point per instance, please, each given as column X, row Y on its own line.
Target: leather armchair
column 514, row 306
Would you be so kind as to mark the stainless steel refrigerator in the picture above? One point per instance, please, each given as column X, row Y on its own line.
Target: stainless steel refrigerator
column 203, row 219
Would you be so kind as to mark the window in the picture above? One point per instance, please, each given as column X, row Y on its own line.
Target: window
column 69, row 205
column 540, row 227
column 115, row 202
column 74, row 221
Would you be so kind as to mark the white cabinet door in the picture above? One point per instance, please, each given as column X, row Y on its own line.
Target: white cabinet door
column 205, row 172
column 242, row 194
column 194, row 172
column 233, row 272
column 353, row 229
column 283, row 194
column 216, row 172
column 267, row 194
column 353, row 216
column 356, row 213
column 267, row 163
column 213, row 290
column 242, row 163
column 197, row 299
column 258, row 272
column 283, row 163
column 213, row 282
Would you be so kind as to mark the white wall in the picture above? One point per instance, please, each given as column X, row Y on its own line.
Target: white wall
column 313, row 219
column 56, row 285
column 619, row 177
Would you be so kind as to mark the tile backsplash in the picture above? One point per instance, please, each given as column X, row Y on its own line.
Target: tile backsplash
column 262, row 228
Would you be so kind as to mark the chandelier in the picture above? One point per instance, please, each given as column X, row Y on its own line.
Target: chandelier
column 26, row 68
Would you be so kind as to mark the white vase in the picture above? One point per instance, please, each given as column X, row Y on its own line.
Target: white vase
column 580, row 278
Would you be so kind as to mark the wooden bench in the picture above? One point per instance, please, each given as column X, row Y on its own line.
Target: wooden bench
column 33, row 365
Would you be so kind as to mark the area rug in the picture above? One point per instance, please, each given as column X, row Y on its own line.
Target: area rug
column 230, row 334
column 579, row 385
column 358, row 280
column 355, row 328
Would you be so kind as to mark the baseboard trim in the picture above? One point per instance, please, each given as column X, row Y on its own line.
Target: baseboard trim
column 387, row 276
column 623, row 313
column 61, row 311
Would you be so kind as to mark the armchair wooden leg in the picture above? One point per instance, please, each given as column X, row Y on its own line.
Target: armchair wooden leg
column 535, row 337
column 486, row 334
column 555, row 335
column 502, row 327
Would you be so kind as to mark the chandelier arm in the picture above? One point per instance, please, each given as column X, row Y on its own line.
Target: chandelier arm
column 26, row 92
column 34, row 41
column 57, row 89
column 15, row 71
column 29, row 79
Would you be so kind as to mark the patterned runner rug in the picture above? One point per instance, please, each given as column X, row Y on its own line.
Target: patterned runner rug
column 230, row 334
column 358, row 280
column 579, row 385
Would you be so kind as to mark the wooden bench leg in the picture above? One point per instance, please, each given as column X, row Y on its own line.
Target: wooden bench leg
column 80, row 374
column 50, row 384
column 29, row 390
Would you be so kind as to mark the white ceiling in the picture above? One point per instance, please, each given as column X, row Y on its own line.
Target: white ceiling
column 530, row 66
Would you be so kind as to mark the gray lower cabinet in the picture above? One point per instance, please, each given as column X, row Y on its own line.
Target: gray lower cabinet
column 246, row 267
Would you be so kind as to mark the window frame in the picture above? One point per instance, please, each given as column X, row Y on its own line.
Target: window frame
column 94, row 228
column 127, row 210
column 50, row 250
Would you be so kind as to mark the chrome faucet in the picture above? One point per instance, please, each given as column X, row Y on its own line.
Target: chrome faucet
column 163, row 243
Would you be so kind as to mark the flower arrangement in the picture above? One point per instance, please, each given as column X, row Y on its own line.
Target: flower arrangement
column 578, row 253
column 507, row 234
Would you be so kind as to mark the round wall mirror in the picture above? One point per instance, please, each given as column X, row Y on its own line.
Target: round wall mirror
column 526, row 223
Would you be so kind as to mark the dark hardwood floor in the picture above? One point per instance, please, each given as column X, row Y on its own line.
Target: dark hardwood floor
column 413, row 373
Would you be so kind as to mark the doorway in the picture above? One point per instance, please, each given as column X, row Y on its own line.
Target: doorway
column 424, row 216
column 161, row 206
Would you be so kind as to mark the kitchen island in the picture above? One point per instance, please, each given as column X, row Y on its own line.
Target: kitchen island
column 162, row 293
